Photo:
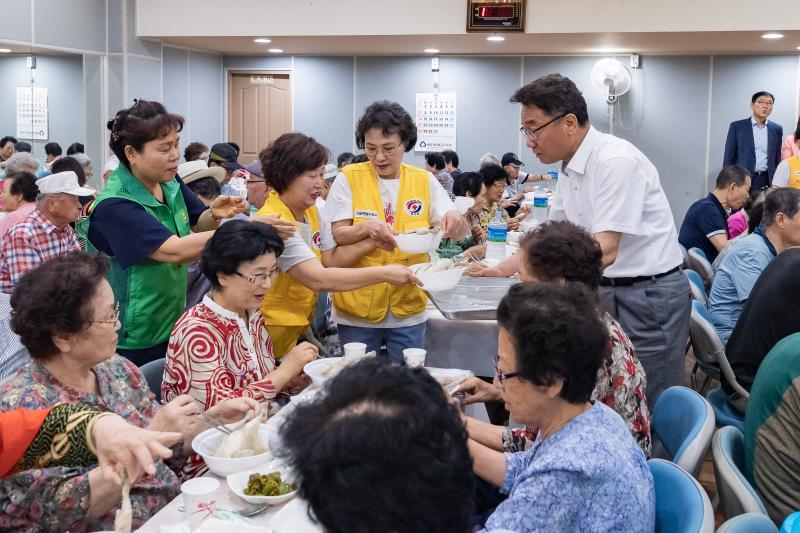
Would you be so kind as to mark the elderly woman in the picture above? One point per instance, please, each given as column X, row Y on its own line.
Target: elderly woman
column 66, row 316
column 86, row 163
column 17, row 163
column 468, row 185
column 19, row 199
column 584, row 471
column 564, row 252
column 294, row 166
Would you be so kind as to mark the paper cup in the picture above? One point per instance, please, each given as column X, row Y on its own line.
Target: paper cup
column 415, row 357
column 355, row 348
column 199, row 500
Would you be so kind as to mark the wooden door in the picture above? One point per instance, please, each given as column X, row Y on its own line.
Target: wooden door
column 259, row 111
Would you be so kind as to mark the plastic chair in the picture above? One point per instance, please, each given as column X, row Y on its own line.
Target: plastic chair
column 684, row 423
column 748, row 523
column 685, row 254
column 153, row 372
column 696, row 284
column 700, row 263
column 682, row 506
column 736, row 494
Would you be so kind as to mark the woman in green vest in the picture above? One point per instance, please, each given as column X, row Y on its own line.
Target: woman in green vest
column 142, row 221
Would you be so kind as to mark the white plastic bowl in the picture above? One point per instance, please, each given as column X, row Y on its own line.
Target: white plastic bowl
column 411, row 243
column 207, row 442
column 462, row 203
column 438, row 281
column 238, row 482
column 314, row 369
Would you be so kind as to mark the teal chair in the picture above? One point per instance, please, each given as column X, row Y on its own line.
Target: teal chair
column 700, row 264
column 153, row 373
column 684, row 423
column 696, row 285
column 736, row 494
column 748, row 523
column 682, row 506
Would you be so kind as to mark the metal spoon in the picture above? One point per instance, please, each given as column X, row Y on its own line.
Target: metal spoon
column 251, row 511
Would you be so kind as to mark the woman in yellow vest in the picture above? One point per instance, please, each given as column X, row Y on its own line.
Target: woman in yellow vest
column 374, row 201
column 294, row 165
column 788, row 172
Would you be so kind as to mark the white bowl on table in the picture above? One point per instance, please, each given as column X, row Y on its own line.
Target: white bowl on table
column 438, row 281
column 315, row 369
column 207, row 442
column 413, row 243
column 238, row 482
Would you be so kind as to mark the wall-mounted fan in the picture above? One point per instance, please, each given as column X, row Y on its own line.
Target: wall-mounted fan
column 611, row 77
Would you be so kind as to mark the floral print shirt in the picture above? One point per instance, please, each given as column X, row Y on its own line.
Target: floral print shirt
column 621, row 385
column 57, row 498
column 587, row 476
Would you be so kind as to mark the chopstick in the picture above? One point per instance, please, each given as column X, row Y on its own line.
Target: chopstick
column 474, row 258
column 214, row 423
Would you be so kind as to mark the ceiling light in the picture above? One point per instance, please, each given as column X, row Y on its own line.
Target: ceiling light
column 5, row 50
column 495, row 38
column 608, row 50
column 275, row 50
column 431, row 50
column 798, row 47
column 262, row 40
column 772, row 36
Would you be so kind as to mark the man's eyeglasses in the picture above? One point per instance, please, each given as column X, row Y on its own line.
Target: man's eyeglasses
column 255, row 181
column 501, row 377
column 386, row 151
column 111, row 321
column 259, row 278
column 531, row 134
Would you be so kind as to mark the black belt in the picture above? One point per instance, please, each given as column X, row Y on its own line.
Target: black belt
column 760, row 174
column 624, row 282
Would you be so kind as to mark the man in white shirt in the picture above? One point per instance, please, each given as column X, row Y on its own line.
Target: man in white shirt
column 610, row 188
column 384, row 315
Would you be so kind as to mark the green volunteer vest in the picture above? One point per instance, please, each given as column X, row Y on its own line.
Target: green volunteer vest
column 151, row 294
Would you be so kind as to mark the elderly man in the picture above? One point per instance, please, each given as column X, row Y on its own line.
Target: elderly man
column 738, row 272
column 610, row 188
column 46, row 232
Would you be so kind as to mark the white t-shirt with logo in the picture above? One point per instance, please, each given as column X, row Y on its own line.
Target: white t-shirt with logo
column 339, row 206
column 297, row 248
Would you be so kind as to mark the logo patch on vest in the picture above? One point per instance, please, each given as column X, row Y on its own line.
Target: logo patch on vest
column 316, row 239
column 414, row 207
column 363, row 213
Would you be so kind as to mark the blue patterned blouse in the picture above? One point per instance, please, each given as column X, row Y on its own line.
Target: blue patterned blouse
column 588, row 476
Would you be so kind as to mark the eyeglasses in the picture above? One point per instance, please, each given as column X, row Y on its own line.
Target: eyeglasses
column 501, row 377
column 531, row 134
column 256, row 181
column 386, row 151
column 111, row 321
column 259, row 278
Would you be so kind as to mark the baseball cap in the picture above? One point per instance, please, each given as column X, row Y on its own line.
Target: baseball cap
column 63, row 182
column 255, row 168
column 226, row 154
column 331, row 171
column 510, row 158
column 194, row 170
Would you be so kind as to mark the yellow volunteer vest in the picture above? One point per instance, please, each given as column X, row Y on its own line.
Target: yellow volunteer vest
column 794, row 172
column 412, row 211
column 288, row 302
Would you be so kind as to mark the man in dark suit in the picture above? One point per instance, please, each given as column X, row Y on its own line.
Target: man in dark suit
column 755, row 142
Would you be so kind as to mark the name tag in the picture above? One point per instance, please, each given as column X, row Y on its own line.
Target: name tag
column 361, row 213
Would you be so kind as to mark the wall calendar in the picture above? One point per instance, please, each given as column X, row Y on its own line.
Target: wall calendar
column 32, row 113
column 436, row 122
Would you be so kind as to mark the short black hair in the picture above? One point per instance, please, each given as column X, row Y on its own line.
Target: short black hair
column 194, row 151
column 234, row 243
column 468, row 182
column 75, row 148
column 731, row 174
column 759, row 94
column 450, row 157
column 493, row 173
column 52, row 149
column 8, row 139
column 435, row 159
column 360, row 158
column 54, row 298
column 555, row 95
column 755, row 208
column 345, row 158
column 556, row 331
column 389, row 117
column 207, row 187
column 139, row 124
column 69, row 163
column 797, row 131
column 24, row 183
column 23, row 146
column 558, row 250
column 382, row 449
column 783, row 200
column 288, row 156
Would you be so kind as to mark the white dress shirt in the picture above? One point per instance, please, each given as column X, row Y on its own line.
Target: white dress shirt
column 609, row 185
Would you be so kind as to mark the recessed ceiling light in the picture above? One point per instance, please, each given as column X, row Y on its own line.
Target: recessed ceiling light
column 5, row 50
column 495, row 38
column 275, row 50
column 772, row 36
column 431, row 50
column 262, row 40
column 798, row 47
column 608, row 50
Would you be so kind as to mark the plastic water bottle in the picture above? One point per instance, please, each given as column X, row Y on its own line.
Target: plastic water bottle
column 553, row 173
column 539, row 210
column 496, row 244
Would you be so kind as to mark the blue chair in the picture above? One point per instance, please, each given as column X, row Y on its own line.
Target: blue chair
column 736, row 494
column 153, row 372
column 700, row 264
column 682, row 506
column 684, row 423
column 696, row 284
column 685, row 254
column 748, row 523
